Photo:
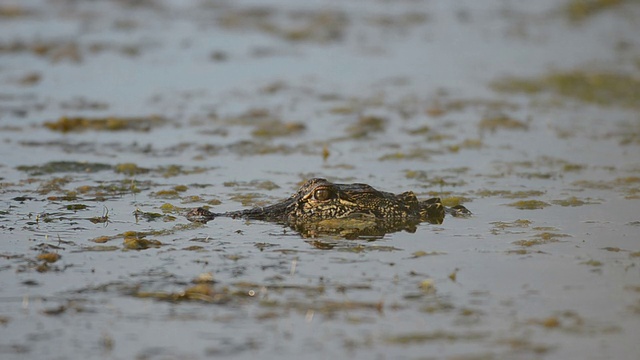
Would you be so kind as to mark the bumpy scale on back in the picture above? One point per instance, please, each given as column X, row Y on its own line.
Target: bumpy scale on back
column 319, row 199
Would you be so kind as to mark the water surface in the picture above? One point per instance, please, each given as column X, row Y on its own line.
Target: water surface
column 118, row 117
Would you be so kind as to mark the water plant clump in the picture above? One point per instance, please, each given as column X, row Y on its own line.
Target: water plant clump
column 599, row 88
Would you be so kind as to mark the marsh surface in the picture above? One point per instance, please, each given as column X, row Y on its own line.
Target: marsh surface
column 116, row 117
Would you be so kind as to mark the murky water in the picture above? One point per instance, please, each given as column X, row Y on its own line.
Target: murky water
column 118, row 117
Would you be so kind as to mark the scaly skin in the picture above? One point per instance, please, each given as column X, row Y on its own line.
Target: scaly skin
column 319, row 200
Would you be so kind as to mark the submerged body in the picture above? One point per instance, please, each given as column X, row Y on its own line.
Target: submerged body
column 321, row 205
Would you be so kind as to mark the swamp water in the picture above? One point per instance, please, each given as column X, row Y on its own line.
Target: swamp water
column 118, row 117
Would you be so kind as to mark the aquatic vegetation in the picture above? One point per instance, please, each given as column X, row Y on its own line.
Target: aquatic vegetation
column 14, row 11
column 69, row 124
column 260, row 147
column 54, row 184
column 502, row 122
column 452, row 201
column 110, row 189
column 151, row 216
column 101, row 219
column 192, row 199
column 76, row 207
column 199, row 292
column 63, row 166
column 93, row 218
column 416, row 153
column 523, row 194
column 49, row 257
column 176, row 170
column 136, row 243
column 428, row 179
column 168, row 208
column 445, row 105
column 311, row 26
column 453, row 276
column 130, row 169
column 101, row 239
column 195, row 248
column 529, row 204
column 466, row 144
column 570, row 167
column 249, row 199
column 628, row 186
column 366, row 125
column 594, row 263
column 580, row 10
column 180, row 188
column 255, row 184
column 166, row 194
column 572, row 322
column 501, row 226
column 271, row 129
column 541, row 239
column 324, row 306
column 573, row 201
column 528, row 243
column 64, row 50
column 600, row 88
column 54, row 50
column 435, row 336
column 420, row 253
column 427, row 286
column 99, row 248
column 421, row 130
column 612, row 249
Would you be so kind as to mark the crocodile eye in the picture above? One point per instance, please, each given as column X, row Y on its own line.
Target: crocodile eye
column 322, row 194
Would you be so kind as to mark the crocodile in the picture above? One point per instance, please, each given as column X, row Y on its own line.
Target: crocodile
column 352, row 210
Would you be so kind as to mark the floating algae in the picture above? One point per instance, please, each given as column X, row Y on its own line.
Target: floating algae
column 130, row 169
column 573, row 201
column 502, row 122
column 69, row 124
column 600, row 88
column 579, row 10
column 53, row 167
column 529, row 204
column 540, row 239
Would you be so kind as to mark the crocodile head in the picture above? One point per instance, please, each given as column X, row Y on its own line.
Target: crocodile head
column 321, row 207
column 319, row 199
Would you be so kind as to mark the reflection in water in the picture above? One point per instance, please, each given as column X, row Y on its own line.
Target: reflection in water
column 356, row 228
